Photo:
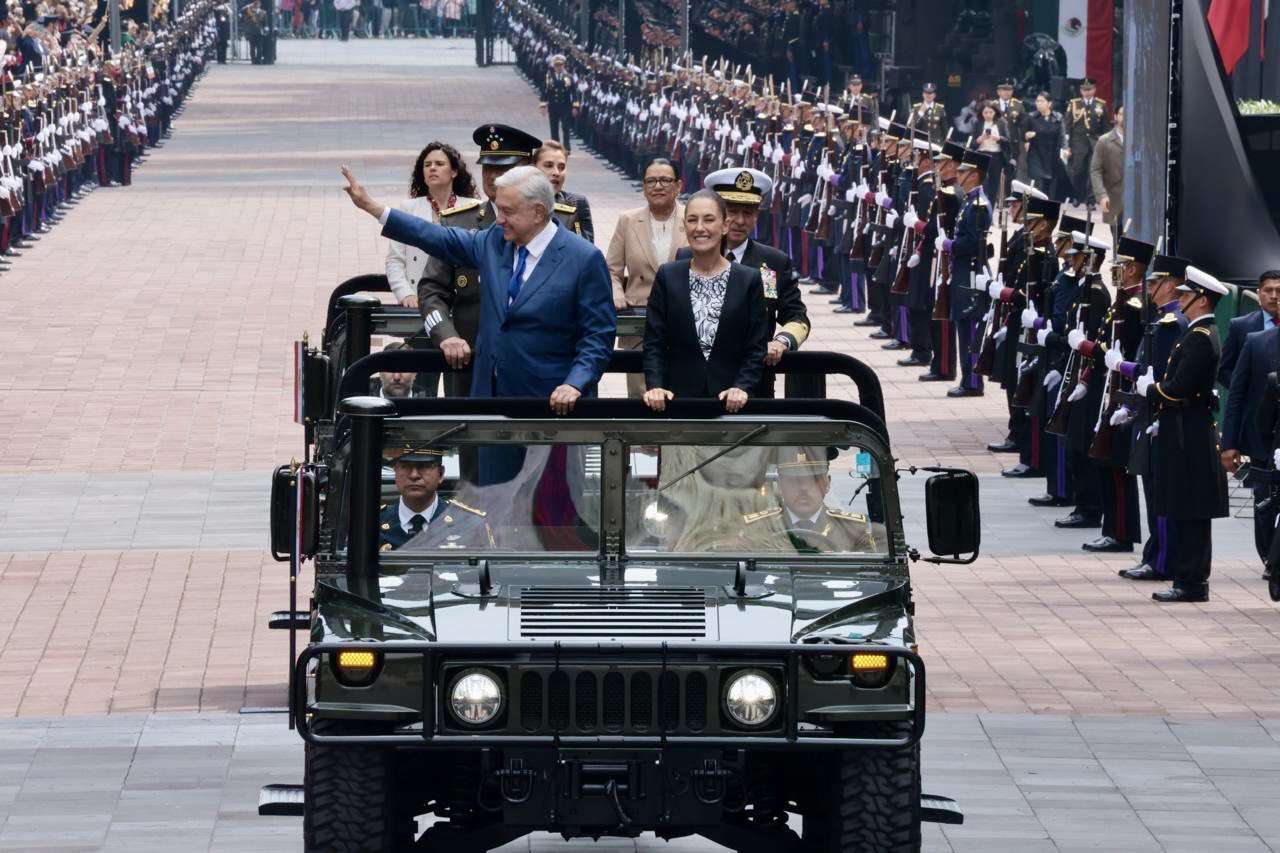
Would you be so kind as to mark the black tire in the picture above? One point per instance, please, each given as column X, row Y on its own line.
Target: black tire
column 352, row 801
column 869, row 801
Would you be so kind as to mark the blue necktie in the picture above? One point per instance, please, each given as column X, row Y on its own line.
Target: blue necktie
column 513, row 286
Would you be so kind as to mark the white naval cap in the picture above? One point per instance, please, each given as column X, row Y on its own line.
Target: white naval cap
column 1198, row 279
column 740, row 186
column 1027, row 189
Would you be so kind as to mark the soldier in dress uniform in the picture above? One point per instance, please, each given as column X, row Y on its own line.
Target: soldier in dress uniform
column 1190, row 483
column 1168, row 324
column 421, row 514
column 802, row 521
column 744, row 191
column 560, row 105
column 969, row 254
column 859, row 105
column 449, row 296
column 1014, row 113
column 1087, row 118
column 930, row 115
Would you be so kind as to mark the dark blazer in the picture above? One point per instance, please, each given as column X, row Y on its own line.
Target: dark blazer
column 559, row 330
column 1241, row 328
column 672, row 355
column 1248, row 385
column 582, row 217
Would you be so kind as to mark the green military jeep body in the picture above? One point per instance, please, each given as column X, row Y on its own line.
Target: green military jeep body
column 683, row 624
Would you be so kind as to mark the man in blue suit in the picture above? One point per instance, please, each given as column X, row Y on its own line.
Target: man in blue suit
column 547, row 321
column 1240, row 433
column 1266, row 317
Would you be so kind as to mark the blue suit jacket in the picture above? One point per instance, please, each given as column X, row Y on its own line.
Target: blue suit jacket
column 1248, row 384
column 1240, row 328
column 559, row 330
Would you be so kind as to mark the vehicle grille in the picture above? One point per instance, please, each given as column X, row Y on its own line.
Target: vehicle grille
column 613, row 612
column 613, row 701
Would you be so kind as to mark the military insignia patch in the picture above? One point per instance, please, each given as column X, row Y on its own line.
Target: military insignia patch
column 460, row 282
column 770, row 279
column 744, row 182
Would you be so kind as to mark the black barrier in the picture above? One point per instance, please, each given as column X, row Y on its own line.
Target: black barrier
column 371, row 283
column 817, row 365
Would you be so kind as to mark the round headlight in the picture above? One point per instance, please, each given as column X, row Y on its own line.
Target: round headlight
column 476, row 698
column 751, row 699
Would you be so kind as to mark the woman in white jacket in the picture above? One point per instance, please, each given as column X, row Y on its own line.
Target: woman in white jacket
column 439, row 181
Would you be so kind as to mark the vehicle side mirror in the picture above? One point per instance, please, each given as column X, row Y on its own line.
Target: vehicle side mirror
column 285, row 530
column 953, row 516
column 311, row 401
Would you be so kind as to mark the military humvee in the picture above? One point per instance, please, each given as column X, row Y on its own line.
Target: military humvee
column 618, row 623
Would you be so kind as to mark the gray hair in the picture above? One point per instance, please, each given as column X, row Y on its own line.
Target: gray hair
column 532, row 184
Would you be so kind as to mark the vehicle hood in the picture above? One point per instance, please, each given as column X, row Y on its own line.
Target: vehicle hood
column 547, row 604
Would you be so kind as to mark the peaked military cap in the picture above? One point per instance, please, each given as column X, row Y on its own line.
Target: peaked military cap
column 951, row 151
column 1043, row 208
column 1069, row 225
column 1199, row 281
column 976, row 160
column 740, row 186
column 804, row 460
column 414, row 454
column 1135, row 250
column 502, row 145
column 930, row 88
column 1167, row 266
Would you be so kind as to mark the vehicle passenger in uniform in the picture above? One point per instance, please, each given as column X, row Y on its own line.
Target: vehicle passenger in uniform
column 1190, row 484
column 573, row 210
column 802, row 520
column 706, row 327
column 420, row 510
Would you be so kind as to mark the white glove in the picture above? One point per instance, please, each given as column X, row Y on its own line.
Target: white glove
column 1051, row 379
column 939, row 243
column 990, row 315
column 882, row 197
column 1078, row 392
column 913, row 261
column 1075, row 338
column 862, row 189
column 1001, row 334
column 981, row 280
column 1113, row 358
column 910, row 219
column 1154, row 429
column 1121, row 416
column 1275, row 459
column 893, row 253
column 994, row 288
column 1042, row 335
column 1145, row 381
column 851, row 195
column 891, row 219
column 1029, row 317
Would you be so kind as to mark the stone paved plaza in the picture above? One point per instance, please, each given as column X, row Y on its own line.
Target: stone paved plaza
column 144, row 399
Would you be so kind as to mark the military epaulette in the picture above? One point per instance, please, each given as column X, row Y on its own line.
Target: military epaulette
column 753, row 517
column 561, row 207
column 460, row 505
column 1201, row 329
column 927, row 176
column 949, row 190
column 1075, row 101
column 460, row 208
column 917, row 105
column 384, row 506
column 980, row 200
column 1169, row 318
column 847, row 516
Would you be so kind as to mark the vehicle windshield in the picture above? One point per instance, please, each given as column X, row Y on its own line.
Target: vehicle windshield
column 748, row 493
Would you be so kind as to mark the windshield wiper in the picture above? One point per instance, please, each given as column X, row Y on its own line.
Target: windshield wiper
column 713, row 457
column 453, row 430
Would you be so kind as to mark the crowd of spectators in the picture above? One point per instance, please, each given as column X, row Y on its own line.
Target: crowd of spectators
column 342, row 19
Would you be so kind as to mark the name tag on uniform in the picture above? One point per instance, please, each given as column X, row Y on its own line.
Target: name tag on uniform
column 770, row 282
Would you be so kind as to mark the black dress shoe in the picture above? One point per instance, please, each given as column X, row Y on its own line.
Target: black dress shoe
column 1108, row 545
column 964, row 392
column 866, row 321
column 836, row 301
column 1078, row 520
column 895, row 345
column 824, row 291
column 843, row 309
column 1020, row 470
column 880, row 335
column 1005, row 446
column 1176, row 594
column 934, row 377
column 1048, row 500
column 1141, row 573
column 805, row 280
column 913, row 361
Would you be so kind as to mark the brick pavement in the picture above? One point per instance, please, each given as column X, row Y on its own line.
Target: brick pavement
column 166, row 367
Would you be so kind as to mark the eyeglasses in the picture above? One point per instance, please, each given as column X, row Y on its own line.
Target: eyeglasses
column 659, row 182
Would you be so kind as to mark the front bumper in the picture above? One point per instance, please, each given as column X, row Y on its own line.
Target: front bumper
column 429, row 730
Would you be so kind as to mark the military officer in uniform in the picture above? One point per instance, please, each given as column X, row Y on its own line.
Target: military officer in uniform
column 969, row 255
column 421, row 514
column 1087, row 118
column 449, row 296
column 573, row 210
column 560, row 105
column 744, row 191
column 1014, row 113
column 858, row 105
column 930, row 115
column 802, row 520
column 1190, row 483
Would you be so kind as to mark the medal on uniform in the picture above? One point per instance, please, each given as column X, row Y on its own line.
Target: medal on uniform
column 770, row 279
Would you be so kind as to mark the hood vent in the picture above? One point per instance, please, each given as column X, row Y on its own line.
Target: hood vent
column 619, row 612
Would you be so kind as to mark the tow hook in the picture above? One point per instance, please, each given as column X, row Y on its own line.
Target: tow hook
column 709, row 782
column 515, row 781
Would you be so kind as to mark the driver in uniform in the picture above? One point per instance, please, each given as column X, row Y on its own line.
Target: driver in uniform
column 421, row 515
column 802, row 520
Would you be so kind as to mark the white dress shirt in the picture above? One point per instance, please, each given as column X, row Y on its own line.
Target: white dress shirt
column 736, row 255
column 406, row 514
column 660, row 232
column 537, row 246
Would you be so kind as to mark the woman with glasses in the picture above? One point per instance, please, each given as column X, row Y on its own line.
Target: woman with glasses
column 706, row 330
column 643, row 240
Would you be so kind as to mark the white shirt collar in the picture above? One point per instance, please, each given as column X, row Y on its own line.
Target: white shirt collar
column 539, row 244
column 740, row 252
column 813, row 519
column 406, row 514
